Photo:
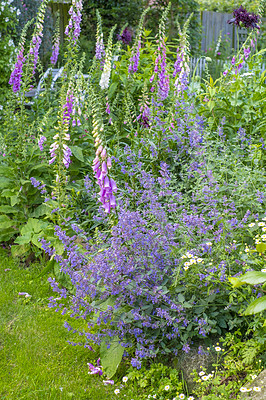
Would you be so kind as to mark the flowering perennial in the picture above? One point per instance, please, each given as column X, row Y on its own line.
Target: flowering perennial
column 135, row 50
column 73, row 28
column 160, row 69
column 105, row 77
column 242, row 16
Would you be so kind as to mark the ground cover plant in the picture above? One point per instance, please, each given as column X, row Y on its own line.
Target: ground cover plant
column 138, row 186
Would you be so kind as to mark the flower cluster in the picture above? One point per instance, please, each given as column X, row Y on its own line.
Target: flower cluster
column 105, row 77
column 181, row 66
column 99, row 49
column 73, row 28
column 242, row 16
column 95, row 370
column 37, row 37
column 160, row 69
column 56, row 43
column 16, row 75
column 135, row 51
column 125, row 36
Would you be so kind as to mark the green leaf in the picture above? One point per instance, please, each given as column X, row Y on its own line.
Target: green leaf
column 5, row 182
column 261, row 247
column 40, row 211
column 8, row 210
column 253, row 277
column 33, row 226
column 13, row 200
column 236, row 282
column 19, row 250
column 77, row 151
column 111, row 358
column 25, row 239
column 256, row 306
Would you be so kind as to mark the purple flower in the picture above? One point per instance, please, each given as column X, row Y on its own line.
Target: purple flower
column 41, row 142
column 73, row 28
column 242, row 16
column 16, row 75
column 125, row 37
column 55, row 51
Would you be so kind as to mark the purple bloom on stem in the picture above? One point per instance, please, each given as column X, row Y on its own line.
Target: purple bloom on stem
column 16, row 75
column 249, row 20
column 125, row 37
column 41, row 142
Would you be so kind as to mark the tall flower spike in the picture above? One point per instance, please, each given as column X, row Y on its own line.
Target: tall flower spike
column 16, row 75
column 181, row 66
column 73, row 28
column 99, row 50
column 101, row 164
column 36, row 40
column 160, row 68
column 135, row 51
column 105, row 78
column 56, row 42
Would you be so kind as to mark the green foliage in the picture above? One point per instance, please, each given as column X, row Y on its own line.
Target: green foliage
column 156, row 380
column 111, row 356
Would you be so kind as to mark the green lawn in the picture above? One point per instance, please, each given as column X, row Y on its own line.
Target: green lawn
column 36, row 362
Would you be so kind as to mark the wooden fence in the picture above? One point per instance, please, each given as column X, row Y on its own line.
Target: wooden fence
column 213, row 23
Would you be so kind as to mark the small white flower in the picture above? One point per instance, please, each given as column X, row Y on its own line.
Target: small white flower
column 183, row 256
column 251, row 225
column 186, row 268
column 264, row 229
column 263, row 270
column 189, row 255
column 182, row 396
column 125, row 379
column 261, row 224
column 243, row 389
column 167, row 387
column 18, row 12
column 6, row 19
column 154, row 396
column 205, row 377
column 256, row 389
column 187, row 264
column 253, row 376
column 116, row 391
column 209, row 243
column 190, row 398
column 217, row 348
column 199, row 259
column 263, row 219
column 201, row 373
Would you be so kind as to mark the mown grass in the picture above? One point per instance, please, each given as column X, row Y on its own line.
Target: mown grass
column 36, row 362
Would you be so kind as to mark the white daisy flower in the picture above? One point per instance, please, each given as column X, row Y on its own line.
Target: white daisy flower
column 205, row 378
column 264, row 229
column 243, row 389
column 190, row 398
column 217, row 348
column 253, row 376
column 256, row 389
column 201, row 373
column 167, row 387
column 116, row 391
column 251, row 225
column 261, row 224
column 125, row 379
column 182, row 396
column 263, row 270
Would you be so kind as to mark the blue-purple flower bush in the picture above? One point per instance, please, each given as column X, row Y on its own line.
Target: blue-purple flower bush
column 170, row 191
